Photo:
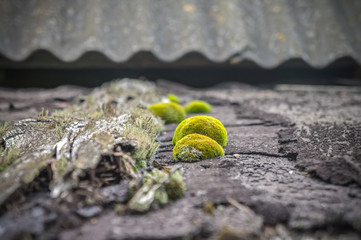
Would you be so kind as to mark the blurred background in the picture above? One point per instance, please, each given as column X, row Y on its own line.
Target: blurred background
column 47, row 43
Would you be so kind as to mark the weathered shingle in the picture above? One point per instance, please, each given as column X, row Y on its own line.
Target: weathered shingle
column 268, row 32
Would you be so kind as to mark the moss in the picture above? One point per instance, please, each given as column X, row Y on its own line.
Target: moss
column 141, row 164
column 204, row 125
column 144, row 119
column 175, row 186
column 143, row 128
column 146, row 144
column 59, row 130
column 198, row 107
column 43, row 115
column 109, row 110
column 194, row 147
column 208, row 208
column 4, row 128
column 169, row 112
column 96, row 114
column 173, row 98
column 189, row 153
column 159, row 187
column 8, row 156
column 58, row 121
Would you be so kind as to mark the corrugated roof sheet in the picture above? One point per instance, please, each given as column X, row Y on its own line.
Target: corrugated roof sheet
column 268, row 32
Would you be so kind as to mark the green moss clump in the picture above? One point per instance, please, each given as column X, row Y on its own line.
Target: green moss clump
column 169, row 112
column 205, row 125
column 173, row 98
column 198, row 107
column 194, row 147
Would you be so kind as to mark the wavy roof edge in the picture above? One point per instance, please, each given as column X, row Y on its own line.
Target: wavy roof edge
column 147, row 58
column 265, row 32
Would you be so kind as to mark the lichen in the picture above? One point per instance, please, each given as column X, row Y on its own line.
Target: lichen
column 194, row 147
column 169, row 112
column 173, row 98
column 198, row 107
column 104, row 138
column 158, row 187
column 205, row 125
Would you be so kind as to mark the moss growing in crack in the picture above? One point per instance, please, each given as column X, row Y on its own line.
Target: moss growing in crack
column 143, row 127
column 205, row 125
column 8, row 156
column 194, row 147
column 173, row 98
column 158, row 187
column 198, row 107
column 169, row 112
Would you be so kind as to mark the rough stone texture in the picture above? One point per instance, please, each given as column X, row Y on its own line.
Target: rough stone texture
column 17, row 104
column 291, row 171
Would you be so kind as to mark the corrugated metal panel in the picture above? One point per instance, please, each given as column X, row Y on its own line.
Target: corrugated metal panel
column 267, row 32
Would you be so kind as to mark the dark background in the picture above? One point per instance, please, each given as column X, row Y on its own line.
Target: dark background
column 44, row 70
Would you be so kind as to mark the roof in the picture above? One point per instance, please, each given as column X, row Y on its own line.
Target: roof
column 267, row 32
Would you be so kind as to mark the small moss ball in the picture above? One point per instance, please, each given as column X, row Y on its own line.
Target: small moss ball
column 198, row 107
column 173, row 98
column 169, row 112
column 205, row 125
column 194, row 147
